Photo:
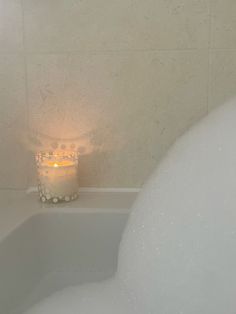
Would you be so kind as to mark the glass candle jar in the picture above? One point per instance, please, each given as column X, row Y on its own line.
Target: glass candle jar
column 57, row 176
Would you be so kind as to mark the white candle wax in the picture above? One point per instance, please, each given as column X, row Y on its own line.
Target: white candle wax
column 57, row 179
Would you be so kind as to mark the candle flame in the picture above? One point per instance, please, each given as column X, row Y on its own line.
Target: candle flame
column 59, row 161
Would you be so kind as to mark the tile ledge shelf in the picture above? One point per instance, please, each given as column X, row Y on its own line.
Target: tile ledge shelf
column 18, row 206
column 34, row 189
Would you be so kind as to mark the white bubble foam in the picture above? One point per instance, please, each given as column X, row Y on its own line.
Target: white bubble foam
column 178, row 253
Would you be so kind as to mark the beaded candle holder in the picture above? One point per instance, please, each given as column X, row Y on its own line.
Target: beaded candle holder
column 57, row 176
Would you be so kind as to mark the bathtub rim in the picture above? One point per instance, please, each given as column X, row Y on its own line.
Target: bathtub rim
column 19, row 211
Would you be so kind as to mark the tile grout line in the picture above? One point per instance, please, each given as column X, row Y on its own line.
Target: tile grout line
column 209, row 59
column 71, row 52
column 26, row 81
column 34, row 189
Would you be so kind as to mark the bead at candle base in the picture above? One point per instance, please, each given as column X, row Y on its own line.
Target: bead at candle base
column 57, row 174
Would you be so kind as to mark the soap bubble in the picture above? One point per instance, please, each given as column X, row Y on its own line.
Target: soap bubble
column 178, row 253
column 187, row 210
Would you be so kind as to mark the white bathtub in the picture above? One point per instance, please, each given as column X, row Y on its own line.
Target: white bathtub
column 43, row 249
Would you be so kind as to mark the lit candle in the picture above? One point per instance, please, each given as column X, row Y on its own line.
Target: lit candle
column 57, row 174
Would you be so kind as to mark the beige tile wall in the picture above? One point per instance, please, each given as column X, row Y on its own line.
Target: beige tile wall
column 127, row 77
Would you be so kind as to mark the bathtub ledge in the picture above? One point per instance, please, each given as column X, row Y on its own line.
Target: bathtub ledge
column 18, row 206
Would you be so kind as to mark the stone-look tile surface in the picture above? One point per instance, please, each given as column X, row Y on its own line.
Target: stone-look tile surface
column 11, row 32
column 13, row 156
column 69, row 25
column 109, row 72
column 223, row 24
column 129, row 106
column 223, row 77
